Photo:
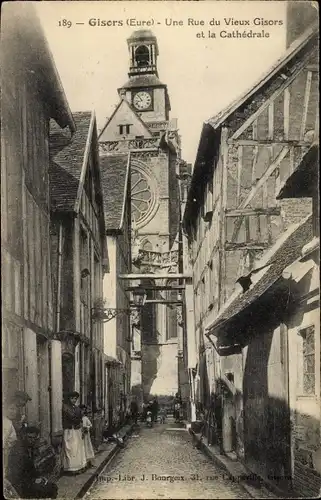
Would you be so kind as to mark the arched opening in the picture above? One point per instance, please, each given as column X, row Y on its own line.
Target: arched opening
column 147, row 246
column 142, row 56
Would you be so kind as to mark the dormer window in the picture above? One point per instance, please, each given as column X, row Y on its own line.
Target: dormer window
column 124, row 129
column 142, row 56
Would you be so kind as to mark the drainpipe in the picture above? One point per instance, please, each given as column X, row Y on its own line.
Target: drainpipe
column 59, row 277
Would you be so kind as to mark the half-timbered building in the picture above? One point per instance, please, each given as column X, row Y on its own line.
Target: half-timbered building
column 232, row 218
column 31, row 95
column 79, row 256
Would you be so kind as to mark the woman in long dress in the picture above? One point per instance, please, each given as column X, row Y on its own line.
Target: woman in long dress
column 74, row 456
column 86, row 426
column 9, row 438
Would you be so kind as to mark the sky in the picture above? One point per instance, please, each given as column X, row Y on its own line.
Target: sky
column 203, row 74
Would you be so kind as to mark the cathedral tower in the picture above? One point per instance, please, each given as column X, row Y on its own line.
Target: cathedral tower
column 141, row 125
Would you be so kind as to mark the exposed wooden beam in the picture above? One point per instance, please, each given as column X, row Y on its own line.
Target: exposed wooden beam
column 265, row 176
column 254, row 134
column 157, row 287
column 155, row 301
column 306, row 104
column 286, row 113
column 255, row 157
column 291, row 159
column 313, row 67
column 268, row 101
column 253, row 211
column 239, row 171
column 237, row 227
column 317, row 125
column 266, row 142
column 250, row 245
column 271, row 121
column 158, row 276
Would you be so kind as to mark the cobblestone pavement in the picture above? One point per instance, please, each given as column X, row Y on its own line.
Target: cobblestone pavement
column 162, row 463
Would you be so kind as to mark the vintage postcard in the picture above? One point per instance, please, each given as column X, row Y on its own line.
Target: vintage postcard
column 160, row 249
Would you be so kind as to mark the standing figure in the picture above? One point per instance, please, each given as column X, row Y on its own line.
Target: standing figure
column 155, row 407
column 9, row 435
column 20, row 399
column 9, row 438
column 144, row 411
column 177, row 407
column 74, row 456
column 86, row 426
column 134, row 410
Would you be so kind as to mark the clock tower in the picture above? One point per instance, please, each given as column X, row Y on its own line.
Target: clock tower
column 144, row 90
column 141, row 125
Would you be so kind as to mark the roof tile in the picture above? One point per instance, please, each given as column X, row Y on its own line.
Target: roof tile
column 113, row 178
column 284, row 255
column 67, row 155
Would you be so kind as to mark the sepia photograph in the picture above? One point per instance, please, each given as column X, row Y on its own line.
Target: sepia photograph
column 160, row 249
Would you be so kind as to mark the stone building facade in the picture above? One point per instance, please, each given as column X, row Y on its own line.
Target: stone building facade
column 141, row 124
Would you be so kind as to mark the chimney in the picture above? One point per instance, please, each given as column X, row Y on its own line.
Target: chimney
column 300, row 15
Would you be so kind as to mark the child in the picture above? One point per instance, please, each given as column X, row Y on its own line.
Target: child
column 162, row 415
column 86, row 426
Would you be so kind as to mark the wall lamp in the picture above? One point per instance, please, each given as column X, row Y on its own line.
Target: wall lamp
column 101, row 314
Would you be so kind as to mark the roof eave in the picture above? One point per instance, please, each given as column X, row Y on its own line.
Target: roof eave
column 207, row 134
column 224, row 328
column 125, row 193
column 85, row 161
column 219, row 119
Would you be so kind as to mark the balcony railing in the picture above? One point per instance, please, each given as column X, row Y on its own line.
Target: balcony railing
column 143, row 69
column 128, row 144
column 158, row 259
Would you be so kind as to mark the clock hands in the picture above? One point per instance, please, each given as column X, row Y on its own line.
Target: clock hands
column 142, row 100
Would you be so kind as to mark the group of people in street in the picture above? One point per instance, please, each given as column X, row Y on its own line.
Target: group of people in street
column 26, row 473
column 152, row 407
column 23, row 478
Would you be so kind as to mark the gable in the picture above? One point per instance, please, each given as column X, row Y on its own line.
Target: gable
column 124, row 115
column 288, row 110
column 286, row 66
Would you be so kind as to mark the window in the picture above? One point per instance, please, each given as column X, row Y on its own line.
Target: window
column 306, row 361
column 142, row 55
column 124, row 129
column 147, row 246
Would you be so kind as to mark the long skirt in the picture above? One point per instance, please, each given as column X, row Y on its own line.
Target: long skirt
column 74, row 456
column 89, row 450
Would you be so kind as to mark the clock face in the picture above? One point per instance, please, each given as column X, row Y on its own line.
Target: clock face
column 142, row 100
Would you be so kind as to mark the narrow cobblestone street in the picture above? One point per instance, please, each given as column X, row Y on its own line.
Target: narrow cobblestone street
column 163, row 463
